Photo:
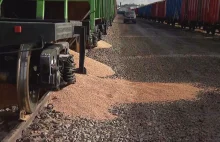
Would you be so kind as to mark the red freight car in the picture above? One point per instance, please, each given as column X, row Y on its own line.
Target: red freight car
column 158, row 11
column 161, row 11
column 154, row 11
column 210, row 15
column 136, row 11
column 190, row 13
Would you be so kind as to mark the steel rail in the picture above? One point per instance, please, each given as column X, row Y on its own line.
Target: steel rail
column 16, row 133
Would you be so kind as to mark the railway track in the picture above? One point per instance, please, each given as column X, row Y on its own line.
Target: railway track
column 18, row 126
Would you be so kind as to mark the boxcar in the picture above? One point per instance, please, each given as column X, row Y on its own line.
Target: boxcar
column 158, row 11
column 144, row 11
column 154, row 11
column 141, row 12
column 173, row 9
column 189, row 13
column 209, row 17
column 147, row 10
column 161, row 14
column 136, row 11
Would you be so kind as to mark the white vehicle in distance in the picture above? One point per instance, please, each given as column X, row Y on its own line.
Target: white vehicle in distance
column 130, row 16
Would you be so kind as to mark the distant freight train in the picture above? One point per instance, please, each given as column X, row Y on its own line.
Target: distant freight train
column 187, row 13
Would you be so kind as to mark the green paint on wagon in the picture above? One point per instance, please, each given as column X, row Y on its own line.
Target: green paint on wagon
column 40, row 9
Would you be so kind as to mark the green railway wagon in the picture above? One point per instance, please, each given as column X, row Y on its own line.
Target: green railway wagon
column 35, row 39
column 106, row 10
column 104, row 15
column 97, row 15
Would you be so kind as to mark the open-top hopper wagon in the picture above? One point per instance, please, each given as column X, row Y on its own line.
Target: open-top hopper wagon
column 35, row 38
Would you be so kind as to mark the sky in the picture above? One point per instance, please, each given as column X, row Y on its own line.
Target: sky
column 136, row 1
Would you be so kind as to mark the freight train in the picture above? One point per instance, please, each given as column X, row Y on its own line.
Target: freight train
column 188, row 13
column 35, row 39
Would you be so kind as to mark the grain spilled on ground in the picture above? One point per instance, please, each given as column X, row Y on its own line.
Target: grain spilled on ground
column 92, row 96
column 103, row 44
column 94, row 67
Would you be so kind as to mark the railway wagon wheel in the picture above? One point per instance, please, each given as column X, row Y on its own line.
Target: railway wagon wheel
column 28, row 92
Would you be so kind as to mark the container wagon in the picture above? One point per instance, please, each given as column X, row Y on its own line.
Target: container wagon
column 173, row 11
column 35, row 40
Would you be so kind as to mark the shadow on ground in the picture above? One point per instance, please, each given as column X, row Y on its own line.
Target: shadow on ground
column 178, row 27
column 183, row 120
column 196, row 120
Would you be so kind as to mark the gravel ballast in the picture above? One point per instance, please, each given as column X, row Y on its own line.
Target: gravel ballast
column 174, row 121
column 155, row 83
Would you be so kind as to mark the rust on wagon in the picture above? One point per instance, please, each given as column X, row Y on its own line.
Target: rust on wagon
column 76, row 10
column 8, row 95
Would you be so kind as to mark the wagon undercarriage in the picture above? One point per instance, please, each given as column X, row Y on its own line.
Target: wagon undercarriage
column 37, row 60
